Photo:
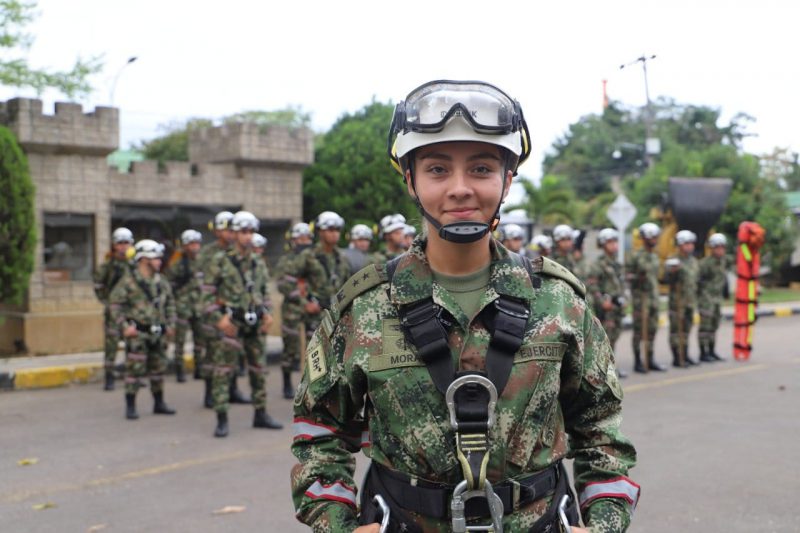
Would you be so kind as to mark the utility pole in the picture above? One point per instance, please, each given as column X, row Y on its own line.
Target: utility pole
column 652, row 145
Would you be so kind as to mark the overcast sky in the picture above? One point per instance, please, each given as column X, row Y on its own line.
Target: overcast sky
column 211, row 59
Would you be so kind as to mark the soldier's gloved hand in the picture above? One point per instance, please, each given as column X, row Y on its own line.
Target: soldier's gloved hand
column 312, row 308
column 130, row 331
column 226, row 326
column 607, row 304
column 372, row 528
column 266, row 323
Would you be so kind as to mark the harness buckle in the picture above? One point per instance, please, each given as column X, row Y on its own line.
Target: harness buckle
column 156, row 329
column 457, row 504
column 250, row 318
column 465, row 380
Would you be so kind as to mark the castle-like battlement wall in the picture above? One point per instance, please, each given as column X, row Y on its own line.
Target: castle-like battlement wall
column 69, row 130
column 250, row 144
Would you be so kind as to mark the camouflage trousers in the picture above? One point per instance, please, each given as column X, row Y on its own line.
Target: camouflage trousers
column 111, row 341
column 612, row 323
column 182, row 326
column 145, row 357
column 206, row 333
column 680, row 325
column 638, row 322
column 225, row 352
column 709, row 324
column 290, row 333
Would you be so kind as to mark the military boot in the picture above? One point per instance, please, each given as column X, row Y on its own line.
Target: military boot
column 713, row 353
column 180, row 376
column 262, row 420
column 705, row 354
column 197, row 369
column 208, row 398
column 288, row 390
column 222, row 425
column 676, row 359
column 109, row 380
column 638, row 366
column 236, row 395
column 689, row 360
column 159, row 406
column 651, row 363
column 130, row 407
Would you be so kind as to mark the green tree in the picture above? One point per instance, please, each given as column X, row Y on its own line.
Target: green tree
column 174, row 144
column 291, row 117
column 351, row 173
column 15, row 70
column 17, row 220
column 552, row 202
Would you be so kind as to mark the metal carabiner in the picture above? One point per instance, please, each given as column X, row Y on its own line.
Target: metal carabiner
column 562, row 513
column 458, row 503
column 464, row 380
column 155, row 329
column 250, row 318
column 384, row 510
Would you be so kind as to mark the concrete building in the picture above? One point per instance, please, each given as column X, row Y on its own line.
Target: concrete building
column 80, row 199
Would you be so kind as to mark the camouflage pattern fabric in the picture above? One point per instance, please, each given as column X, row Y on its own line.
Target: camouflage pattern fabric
column 292, row 308
column 605, row 283
column 711, row 285
column 582, row 267
column 383, row 255
column 105, row 278
column 206, row 330
column 642, row 273
column 565, row 260
column 182, row 277
column 234, row 283
column 146, row 302
column 682, row 301
column 363, row 387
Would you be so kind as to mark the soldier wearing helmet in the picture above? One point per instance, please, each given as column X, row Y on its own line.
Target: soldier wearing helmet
column 238, row 310
column 357, row 252
column 410, row 364
column 681, row 275
column 712, row 289
column 605, row 287
column 181, row 274
column 564, row 244
column 409, row 234
column 115, row 266
column 512, row 236
column 541, row 246
column 143, row 310
column 393, row 231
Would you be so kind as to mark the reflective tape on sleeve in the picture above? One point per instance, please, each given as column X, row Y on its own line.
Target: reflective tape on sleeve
column 306, row 429
column 618, row 487
column 365, row 440
column 338, row 492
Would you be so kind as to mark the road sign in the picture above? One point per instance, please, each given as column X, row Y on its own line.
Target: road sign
column 621, row 212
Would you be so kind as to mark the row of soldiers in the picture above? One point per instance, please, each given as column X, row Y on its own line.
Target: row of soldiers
column 694, row 286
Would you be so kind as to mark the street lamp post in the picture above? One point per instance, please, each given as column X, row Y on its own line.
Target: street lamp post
column 116, row 78
column 652, row 144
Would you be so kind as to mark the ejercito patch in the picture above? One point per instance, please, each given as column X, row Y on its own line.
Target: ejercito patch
column 316, row 364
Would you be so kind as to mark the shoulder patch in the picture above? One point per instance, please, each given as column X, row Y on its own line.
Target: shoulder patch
column 368, row 277
column 549, row 267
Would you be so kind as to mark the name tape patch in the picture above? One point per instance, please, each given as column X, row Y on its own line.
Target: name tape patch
column 316, row 364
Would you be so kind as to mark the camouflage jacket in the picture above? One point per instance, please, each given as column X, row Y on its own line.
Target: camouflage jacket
column 108, row 275
column 324, row 273
column 642, row 273
column 233, row 283
column 146, row 301
column 364, row 387
column 567, row 261
column 207, row 253
column 683, row 283
column 293, row 289
column 711, row 279
column 181, row 275
column 582, row 267
column 604, row 282
column 263, row 283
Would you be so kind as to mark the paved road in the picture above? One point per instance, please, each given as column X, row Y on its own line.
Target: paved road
column 716, row 446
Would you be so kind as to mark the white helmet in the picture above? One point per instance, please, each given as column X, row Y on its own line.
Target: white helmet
column 607, row 234
column 244, row 220
column 259, row 241
column 717, row 239
column 685, row 236
column 648, row 230
column 190, row 236
column 149, row 249
column 121, row 235
column 561, row 232
column 301, row 229
column 410, row 231
column 390, row 223
column 223, row 220
column 672, row 262
column 511, row 232
column 360, row 231
column 542, row 242
column 329, row 220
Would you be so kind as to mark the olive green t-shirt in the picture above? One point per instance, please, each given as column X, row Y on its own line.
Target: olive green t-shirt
column 466, row 290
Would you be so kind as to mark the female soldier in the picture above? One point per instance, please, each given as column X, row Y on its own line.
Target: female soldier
column 465, row 372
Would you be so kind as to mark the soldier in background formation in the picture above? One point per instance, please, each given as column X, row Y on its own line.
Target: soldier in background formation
column 409, row 235
column 106, row 278
column 642, row 275
column 181, row 274
column 357, row 252
column 605, row 287
column 712, row 288
column 581, row 269
column 681, row 275
column 562, row 253
column 512, row 236
column 235, row 306
column 542, row 246
column 143, row 311
column 393, row 229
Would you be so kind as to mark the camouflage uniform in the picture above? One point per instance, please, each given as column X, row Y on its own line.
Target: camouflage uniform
column 294, row 291
column 682, row 303
column 364, row 387
column 324, row 273
column 207, row 330
column 711, row 286
column 605, row 282
column 642, row 273
column 147, row 302
column 384, row 255
column 105, row 279
column 565, row 260
column 181, row 274
column 233, row 284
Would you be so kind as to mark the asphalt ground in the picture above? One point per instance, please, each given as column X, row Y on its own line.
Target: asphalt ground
column 717, row 451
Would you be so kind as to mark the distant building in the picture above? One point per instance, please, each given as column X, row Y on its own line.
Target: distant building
column 80, row 199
